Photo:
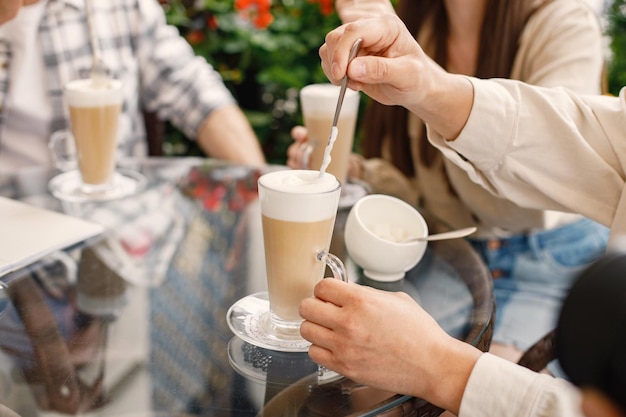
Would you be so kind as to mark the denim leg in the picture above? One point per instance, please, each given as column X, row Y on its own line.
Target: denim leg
column 532, row 275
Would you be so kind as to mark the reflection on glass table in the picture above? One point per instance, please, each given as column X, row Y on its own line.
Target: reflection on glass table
column 134, row 322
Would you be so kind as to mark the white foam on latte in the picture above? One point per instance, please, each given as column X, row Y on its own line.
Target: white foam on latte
column 86, row 93
column 316, row 98
column 299, row 195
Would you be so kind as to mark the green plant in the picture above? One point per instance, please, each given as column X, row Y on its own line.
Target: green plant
column 616, row 30
column 265, row 50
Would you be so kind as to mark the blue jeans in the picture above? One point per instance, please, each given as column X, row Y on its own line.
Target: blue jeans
column 532, row 274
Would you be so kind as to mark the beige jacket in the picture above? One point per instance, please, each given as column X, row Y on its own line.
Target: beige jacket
column 546, row 148
column 562, row 45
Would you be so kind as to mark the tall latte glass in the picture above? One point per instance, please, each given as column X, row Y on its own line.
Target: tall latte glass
column 318, row 103
column 298, row 210
column 94, row 113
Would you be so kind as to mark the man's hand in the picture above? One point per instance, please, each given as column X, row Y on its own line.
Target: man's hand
column 387, row 341
column 393, row 69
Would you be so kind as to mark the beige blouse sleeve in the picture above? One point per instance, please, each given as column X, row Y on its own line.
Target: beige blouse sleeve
column 545, row 148
column 497, row 387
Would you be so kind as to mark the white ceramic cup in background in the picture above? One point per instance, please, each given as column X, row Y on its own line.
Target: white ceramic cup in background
column 375, row 230
column 298, row 211
column 318, row 102
column 92, row 141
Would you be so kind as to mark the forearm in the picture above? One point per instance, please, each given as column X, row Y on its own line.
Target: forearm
column 453, row 364
column 227, row 134
column 512, row 123
column 445, row 104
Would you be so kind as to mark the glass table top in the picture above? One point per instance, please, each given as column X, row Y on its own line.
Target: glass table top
column 134, row 323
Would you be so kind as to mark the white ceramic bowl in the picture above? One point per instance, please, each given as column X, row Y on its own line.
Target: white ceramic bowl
column 375, row 227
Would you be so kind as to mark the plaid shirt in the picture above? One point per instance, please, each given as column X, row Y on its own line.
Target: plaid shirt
column 157, row 66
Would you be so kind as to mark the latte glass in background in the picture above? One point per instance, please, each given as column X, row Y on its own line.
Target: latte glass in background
column 94, row 115
column 298, row 212
column 318, row 102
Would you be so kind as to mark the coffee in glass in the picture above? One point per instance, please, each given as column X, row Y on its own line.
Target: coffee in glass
column 94, row 113
column 298, row 209
column 318, row 103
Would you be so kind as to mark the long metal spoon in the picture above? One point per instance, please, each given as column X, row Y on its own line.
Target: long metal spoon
column 441, row 236
column 342, row 92
column 99, row 72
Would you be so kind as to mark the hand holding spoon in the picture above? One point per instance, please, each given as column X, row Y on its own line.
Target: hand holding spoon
column 342, row 92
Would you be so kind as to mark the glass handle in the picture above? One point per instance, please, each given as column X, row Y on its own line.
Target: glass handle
column 63, row 150
column 325, row 375
column 334, row 263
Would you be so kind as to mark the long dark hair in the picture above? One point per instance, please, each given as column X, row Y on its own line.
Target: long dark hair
column 502, row 26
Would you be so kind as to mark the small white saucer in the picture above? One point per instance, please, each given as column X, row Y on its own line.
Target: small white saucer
column 246, row 319
column 67, row 186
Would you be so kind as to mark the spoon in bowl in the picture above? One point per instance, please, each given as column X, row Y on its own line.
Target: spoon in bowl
column 454, row 234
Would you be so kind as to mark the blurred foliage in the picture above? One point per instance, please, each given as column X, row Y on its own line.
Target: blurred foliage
column 616, row 30
column 265, row 50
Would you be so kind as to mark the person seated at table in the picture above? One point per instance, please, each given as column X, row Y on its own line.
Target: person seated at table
column 533, row 254
column 541, row 140
column 46, row 43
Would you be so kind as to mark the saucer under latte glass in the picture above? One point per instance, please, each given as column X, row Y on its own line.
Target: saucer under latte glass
column 298, row 210
column 87, row 152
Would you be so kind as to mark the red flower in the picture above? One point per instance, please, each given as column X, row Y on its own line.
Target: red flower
column 211, row 22
column 326, row 6
column 256, row 11
column 263, row 20
column 194, row 37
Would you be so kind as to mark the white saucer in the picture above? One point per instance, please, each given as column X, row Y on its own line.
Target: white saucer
column 246, row 319
column 67, row 186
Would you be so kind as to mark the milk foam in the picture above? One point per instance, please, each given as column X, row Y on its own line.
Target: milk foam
column 329, row 147
column 299, row 195
column 321, row 99
column 84, row 93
